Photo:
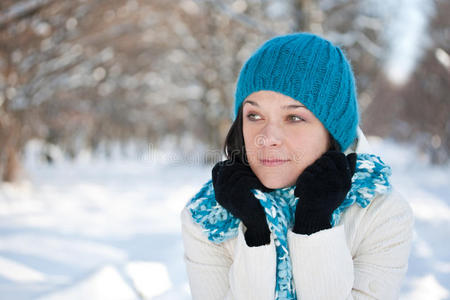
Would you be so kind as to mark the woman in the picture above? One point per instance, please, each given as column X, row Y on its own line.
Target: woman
column 300, row 209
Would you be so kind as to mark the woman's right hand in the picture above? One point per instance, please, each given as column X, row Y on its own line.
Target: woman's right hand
column 321, row 188
column 232, row 181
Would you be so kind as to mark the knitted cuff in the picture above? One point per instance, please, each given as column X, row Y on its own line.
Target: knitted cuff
column 311, row 223
column 255, row 238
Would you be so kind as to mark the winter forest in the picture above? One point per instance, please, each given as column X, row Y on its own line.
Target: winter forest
column 112, row 113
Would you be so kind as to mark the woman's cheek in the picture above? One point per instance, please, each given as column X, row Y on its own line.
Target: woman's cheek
column 250, row 139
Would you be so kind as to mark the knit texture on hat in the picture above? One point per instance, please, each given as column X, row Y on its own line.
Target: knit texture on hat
column 311, row 70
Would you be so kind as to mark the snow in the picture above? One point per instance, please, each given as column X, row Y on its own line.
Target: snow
column 427, row 288
column 16, row 271
column 93, row 287
column 110, row 229
column 149, row 278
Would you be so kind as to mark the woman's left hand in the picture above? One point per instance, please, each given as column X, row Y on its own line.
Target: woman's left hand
column 321, row 188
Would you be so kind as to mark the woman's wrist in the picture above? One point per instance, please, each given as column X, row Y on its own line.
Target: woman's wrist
column 309, row 223
column 255, row 238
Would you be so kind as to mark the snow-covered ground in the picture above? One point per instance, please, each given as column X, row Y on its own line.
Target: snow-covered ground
column 98, row 229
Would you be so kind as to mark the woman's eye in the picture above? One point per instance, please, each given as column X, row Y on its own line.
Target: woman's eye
column 295, row 118
column 253, row 117
column 291, row 118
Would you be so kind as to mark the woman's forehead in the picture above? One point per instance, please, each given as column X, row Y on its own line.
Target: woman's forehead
column 270, row 97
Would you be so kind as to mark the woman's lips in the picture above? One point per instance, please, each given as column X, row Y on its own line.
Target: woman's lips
column 273, row 162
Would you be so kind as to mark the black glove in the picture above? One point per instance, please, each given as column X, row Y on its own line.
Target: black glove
column 321, row 188
column 232, row 182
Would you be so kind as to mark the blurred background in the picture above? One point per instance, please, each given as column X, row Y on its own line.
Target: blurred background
column 112, row 113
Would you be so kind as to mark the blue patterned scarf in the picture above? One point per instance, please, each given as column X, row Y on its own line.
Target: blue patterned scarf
column 371, row 177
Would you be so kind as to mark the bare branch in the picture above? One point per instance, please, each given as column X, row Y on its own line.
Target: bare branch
column 20, row 9
column 241, row 18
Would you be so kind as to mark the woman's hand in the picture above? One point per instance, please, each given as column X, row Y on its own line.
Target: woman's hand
column 232, row 182
column 321, row 188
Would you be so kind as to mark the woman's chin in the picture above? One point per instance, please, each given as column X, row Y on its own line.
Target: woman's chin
column 276, row 184
column 276, row 178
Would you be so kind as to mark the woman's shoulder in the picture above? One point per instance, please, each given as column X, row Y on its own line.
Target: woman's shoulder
column 185, row 216
column 389, row 205
column 188, row 223
column 387, row 217
column 190, row 230
column 389, row 212
column 196, row 203
column 195, row 237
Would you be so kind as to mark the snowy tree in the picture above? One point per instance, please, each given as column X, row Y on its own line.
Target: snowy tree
column 86, row 75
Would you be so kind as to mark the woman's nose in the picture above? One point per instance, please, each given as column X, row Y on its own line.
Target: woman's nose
column 271, row 136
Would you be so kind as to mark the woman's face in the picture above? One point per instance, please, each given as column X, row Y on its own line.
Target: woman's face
column 282, row 137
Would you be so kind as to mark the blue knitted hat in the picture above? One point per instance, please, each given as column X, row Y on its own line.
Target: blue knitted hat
column 311, row 70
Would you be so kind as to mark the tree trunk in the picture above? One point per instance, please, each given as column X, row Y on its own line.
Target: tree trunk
column 10, row 165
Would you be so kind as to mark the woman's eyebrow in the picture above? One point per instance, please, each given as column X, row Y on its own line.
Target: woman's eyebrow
column 290, row 106
column 251, row 102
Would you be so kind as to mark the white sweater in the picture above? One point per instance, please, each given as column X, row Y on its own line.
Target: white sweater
column 364, row 257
